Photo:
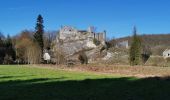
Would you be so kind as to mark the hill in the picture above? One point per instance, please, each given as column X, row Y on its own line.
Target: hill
column 157, row 42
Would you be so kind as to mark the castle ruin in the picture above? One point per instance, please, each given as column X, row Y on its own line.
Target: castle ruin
column 72, row 40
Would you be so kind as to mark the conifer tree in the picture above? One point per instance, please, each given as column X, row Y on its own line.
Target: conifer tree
column 10, row 54
column 38, row 36
column 135, row 49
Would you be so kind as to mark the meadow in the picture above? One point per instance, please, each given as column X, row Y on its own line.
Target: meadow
column 36, row 83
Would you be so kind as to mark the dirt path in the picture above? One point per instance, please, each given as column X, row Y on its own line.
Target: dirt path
column 122, row 70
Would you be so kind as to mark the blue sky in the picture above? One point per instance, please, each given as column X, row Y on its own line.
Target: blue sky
column 117, row 17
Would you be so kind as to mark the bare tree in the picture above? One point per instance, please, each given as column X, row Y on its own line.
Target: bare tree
column 59, row 55
column 49, row 37
column 33, row 54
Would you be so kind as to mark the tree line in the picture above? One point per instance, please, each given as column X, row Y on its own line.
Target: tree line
column 26, row 47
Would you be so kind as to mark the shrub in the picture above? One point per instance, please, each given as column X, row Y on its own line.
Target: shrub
column 83, row 58
column 59, row 57
column 96, row 42
column 8, row 59
column 156, row 61
column 167, row 59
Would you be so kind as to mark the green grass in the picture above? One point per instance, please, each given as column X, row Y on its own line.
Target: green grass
column 30, row 83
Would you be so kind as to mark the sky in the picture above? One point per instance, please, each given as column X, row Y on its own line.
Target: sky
column 117, row 17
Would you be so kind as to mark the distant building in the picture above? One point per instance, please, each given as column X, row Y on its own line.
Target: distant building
column 46, row 56
column 166, row 53
column 124, row 44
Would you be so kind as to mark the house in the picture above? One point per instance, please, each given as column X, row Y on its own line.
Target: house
column 124, row 44
column 46, row 57
column 166, row 53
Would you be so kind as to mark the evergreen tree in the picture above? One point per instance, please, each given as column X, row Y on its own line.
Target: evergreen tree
column 10, row 48
column 1, row 42
column 135, row 49
column 8, row 42
column 10, row 54
column 2, row 46
column 38, row 36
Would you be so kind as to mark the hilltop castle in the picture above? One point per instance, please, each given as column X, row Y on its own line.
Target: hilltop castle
column 68, row 33
column 72, row 40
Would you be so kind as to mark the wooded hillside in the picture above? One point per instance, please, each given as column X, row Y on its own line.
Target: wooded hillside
column 157, row 42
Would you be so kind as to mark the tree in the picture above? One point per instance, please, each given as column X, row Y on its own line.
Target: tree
column 83, row 58
column 8, row 41
column 27, row 50
column 58, row 56
column 38, row 36
column 146, row 52
column 2, row 48
column 49, row 38
column 135, row 49
column 33, row 53
column 10, row 51
column 8, row 59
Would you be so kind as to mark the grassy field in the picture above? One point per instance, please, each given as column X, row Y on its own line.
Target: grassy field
column 31, row 83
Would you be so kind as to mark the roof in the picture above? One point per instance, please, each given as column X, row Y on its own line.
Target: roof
column 167, row 50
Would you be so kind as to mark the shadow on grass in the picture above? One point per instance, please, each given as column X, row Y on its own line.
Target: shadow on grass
column 90, row 89
column 7, row 77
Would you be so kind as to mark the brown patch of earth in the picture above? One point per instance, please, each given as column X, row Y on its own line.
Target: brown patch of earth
column 122, row 70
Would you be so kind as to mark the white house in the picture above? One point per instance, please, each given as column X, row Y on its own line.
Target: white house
column 166, row 53
column 124, row 44
column 47, row 57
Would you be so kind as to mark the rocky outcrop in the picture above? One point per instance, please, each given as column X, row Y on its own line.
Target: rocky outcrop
column 72, row 47
column 72, row 41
